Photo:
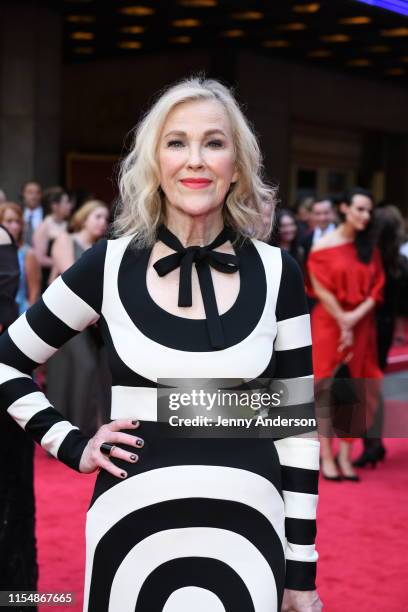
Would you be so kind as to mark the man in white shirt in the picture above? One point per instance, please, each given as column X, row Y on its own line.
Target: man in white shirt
column 322, row 220
column 33, row 212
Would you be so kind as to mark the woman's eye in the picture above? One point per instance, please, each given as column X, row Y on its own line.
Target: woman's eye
column 215, row 144
column 175, row 143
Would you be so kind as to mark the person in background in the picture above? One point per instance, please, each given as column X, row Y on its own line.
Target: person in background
column 347, row 278
column 56, row 201
column 321, row 220
column 11, row 217
column 302, row 215
column 285, row 235
column 390, row 234
column 31, row 195
column 18, row 560
column 78, row 378
column 3, row 196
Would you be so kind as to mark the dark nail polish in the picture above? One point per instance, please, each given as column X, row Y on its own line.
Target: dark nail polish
column 133, row 457
column 135, row 422
column 123, row 475
column 139, row 443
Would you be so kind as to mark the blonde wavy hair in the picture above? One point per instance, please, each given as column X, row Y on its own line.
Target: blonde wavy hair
column 141, row 206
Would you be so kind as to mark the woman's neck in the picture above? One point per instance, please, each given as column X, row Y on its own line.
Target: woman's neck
column 346, row 231
column 84, row 238
column 200, row 230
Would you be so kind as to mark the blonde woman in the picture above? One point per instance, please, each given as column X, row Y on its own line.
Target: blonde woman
column 77, row 376
column 182, row 292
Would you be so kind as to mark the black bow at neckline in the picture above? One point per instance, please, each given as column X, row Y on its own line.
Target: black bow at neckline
column 203, row 257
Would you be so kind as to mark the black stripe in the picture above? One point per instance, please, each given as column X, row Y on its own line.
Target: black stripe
column 210, row 574
column 300, row 575
column 85, row 277
column 72, row 447
column 178, row 514
column 291, row 300
column 47, row 326
column 11, row 355
column 294, row 363
column 300, row 480
column 300, row 531
column 14, row 389
column 42, row 421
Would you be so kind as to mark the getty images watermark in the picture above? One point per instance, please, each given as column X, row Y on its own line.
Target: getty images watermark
column 235, row 408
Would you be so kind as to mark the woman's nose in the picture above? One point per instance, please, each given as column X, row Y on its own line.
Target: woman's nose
column 195, row 159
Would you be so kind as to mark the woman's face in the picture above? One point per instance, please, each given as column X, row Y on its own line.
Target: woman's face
column 358, row 214
column 97, row 222
column 196, row 157
column 287, row 229
column 63, row 208
column 13, row 223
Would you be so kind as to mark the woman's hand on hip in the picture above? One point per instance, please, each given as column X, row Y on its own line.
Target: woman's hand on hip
column 93, row 458
column 301, row 601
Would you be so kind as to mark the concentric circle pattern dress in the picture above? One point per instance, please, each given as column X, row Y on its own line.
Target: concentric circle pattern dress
column 214, row 525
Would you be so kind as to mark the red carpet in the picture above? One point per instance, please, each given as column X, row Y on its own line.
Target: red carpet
column 362, row 530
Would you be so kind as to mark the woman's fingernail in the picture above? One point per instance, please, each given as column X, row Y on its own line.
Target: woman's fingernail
column 123, row 474
column 133, row 457
column 139, row 443
column 135, row 422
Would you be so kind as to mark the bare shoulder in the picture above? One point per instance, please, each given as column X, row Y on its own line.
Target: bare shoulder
column 63, row 240
column 5, row 237
column 326, row 242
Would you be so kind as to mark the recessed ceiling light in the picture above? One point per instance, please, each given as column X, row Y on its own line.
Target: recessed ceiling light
column 359, row 63
column 83, row 50
column 233, row 33
column 355, row 20
column 80, row 18
column 180, row 40
column 336, row 38
column 395, row 32
column 379, row 49
column 82, row 35
column 130, row 44
column 395, row 71
column 198, row 3
column 319, row 53
column 313, row 7
column 292, row 27
column 248, row 15
column 276, row 44
column 186, row 23
column 140, row 11
column 133, row 29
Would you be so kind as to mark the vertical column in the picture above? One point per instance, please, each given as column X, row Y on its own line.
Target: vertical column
column 30, row 67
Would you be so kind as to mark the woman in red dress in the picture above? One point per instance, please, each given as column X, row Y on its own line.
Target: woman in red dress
column 345, row 274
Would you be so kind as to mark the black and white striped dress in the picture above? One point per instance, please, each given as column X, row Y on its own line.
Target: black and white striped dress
column 206, row 525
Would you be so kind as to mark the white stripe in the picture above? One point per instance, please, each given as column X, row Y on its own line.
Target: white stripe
column 68, row 306
column 297, row 391
column 28, row 342
column 193, row 598
column 8, row 373
column 299, row 452
column 228, row 547
column 179, row 482
column 23, row 409
column 293, row 333
column 301, row 552
column 134, row 403
column 300, row 505
column 54, row 437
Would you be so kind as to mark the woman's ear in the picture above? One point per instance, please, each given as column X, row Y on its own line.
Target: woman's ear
column 343, row 208
column 235, row 177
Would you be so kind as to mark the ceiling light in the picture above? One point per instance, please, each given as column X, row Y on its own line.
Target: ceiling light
column 186, row 23
column 359, row 63
column 319, row 53
column 181, row 40
column 379, row 49
column 82, row 35
column 233, row 33
column 395, row 71
column 83, row 50
column 276, row 44
column 198, row 3
column 313, row 7
column 355, row 20
column 292, row 27
column 336, row 38
column 395, row 32
column 248, row 15
column 132, row 29
column 80, row 18
column 130, row 44
column 140, row 11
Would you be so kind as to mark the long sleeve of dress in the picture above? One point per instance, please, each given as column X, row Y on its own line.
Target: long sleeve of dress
column 298, row 455
column 71, row 303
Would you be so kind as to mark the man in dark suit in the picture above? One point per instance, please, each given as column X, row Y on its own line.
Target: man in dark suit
column 322, row 221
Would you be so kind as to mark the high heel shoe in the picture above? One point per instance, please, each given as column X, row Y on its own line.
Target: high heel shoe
column 337, row 478
column 370, row 456
column 350, row 477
